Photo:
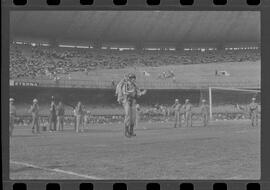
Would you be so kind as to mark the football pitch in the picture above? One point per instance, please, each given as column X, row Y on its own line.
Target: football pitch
column 223, row 150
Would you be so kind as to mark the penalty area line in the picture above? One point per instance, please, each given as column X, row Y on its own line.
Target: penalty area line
column 55, row 170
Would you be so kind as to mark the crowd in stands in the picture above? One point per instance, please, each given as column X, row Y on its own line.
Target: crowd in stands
column 39, row 61
column 18, row 63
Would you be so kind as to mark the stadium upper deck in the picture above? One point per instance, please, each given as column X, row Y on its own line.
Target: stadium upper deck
column 28, row 61
column 69, row 67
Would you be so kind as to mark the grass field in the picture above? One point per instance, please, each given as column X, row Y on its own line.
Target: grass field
column 223, row 150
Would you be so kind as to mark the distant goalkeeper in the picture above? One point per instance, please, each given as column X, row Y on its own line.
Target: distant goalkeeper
column 205, row 113
column 127, row 93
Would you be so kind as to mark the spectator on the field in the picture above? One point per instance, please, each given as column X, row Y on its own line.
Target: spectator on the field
column 34, row 110
column 86, row 118
column 52, row 117
column 177, row 113
column 60, row 112
column 79, row 117
column 187, row 107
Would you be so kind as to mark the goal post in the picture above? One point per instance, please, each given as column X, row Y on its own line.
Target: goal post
column 210, row 104
column 222, row 98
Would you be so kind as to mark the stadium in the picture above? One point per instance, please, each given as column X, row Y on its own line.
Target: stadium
column 81, row 56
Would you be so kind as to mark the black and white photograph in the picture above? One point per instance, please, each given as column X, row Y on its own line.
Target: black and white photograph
column 134, row 95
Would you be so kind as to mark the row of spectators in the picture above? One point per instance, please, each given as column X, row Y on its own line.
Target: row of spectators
column 156, row 113
column 99, row 119
column 29, row 61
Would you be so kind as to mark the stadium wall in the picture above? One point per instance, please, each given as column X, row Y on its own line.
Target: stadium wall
column 100, row 83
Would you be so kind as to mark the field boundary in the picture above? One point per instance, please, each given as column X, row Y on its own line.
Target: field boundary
column 55, row 170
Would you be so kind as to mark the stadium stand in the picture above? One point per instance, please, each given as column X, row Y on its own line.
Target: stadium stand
column 47, row 62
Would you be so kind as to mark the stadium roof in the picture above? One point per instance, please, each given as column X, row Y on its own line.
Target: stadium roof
column 173, row 27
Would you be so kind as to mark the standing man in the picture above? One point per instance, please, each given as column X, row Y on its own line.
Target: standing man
column 130, row 93
column 188, row 114
column 86, row 119
column 177, row 115
column 205, row 113
column 253, row 111
column 79, row 117
column 52, row 117
column 35, row 116
column 12, row 115
column 60, row 112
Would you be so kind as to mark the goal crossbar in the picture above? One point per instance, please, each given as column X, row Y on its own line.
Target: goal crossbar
column 235, row 89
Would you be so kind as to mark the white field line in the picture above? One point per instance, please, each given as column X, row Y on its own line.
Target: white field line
column 55, row 170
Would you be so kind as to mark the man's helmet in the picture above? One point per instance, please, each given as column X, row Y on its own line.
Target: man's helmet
column 11, row 99
column 35, row 100
column 176, row 100
column 253, row 98
column 131, row 76
column 203, row 100
column 187, row 100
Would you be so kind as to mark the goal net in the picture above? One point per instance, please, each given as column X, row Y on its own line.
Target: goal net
column 231, row 103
